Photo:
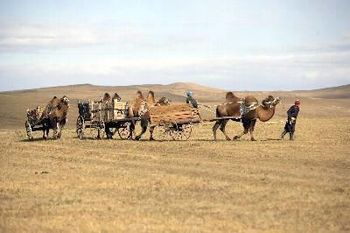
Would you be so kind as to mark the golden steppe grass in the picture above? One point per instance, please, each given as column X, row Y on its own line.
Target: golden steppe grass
column 270, row 185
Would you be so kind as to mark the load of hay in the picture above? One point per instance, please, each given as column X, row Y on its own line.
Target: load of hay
column 176, row 114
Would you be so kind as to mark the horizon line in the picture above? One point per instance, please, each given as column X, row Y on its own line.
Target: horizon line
column 168, row 84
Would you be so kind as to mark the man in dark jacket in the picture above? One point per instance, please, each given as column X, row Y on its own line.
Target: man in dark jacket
column 291, row 120
column 191, row 100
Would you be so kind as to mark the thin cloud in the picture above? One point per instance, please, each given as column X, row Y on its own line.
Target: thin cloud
column 38, row 36
column 254, row 72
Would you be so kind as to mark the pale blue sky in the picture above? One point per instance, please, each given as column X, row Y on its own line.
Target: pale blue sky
column 236, row 45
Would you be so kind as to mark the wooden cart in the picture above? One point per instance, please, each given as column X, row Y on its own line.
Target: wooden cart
column 174, row 121
column 107, row 118
column 35, row 122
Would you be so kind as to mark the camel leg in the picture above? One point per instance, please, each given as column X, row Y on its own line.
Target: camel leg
column 98, row 134
column 151, row 130
column 58, row 132
column 245, row 131
column 144, row 124
column 45, row 133
column 46, row 126
column 62, row 123
column 223, row 129
column 246, row 126
column 55, row 130
column 132, row 129
column 251, row 130
column 215, row 128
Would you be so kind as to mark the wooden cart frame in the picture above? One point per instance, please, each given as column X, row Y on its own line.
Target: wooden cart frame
column 175, row 122
column 107, row 118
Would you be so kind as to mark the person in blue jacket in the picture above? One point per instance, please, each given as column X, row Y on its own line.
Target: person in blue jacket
column 191, row 100
column 292, row 113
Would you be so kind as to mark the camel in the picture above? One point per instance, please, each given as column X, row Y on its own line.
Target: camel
column 246, row 110
column 54, row 116
column 140, row 109
column 163, row 101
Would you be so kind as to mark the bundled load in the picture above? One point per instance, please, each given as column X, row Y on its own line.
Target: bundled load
column 175, row 114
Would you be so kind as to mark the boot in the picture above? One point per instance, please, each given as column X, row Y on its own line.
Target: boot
column 291, row 136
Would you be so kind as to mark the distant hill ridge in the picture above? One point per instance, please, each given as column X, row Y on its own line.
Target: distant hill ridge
column 179, row 88
column 14, row 103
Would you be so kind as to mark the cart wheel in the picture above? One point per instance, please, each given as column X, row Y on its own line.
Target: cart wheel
column 163, row 132
column 124, row 131
column 113, row 131
column 80, row 127
column 29, row 130
column 181, row 132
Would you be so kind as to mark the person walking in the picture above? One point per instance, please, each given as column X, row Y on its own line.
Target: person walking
column 292, row 114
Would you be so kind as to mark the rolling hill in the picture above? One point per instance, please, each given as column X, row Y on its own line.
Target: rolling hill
column 327, row 102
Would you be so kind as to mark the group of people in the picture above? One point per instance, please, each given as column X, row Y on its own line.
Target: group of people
column 292, row 115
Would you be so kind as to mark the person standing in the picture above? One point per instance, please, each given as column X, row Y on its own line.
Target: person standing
column 292, row 113
column 191, row 100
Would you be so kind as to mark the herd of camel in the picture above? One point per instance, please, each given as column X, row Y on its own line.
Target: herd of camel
column 246, row 110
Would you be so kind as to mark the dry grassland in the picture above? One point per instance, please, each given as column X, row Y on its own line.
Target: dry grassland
column 199, row 185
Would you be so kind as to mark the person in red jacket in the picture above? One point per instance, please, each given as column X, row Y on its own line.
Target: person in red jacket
column 292, row 113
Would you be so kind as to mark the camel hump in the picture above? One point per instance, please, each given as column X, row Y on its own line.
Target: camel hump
column 151, row 93
column 106, row 97
column 249, row 100
column 150, row 98
column 231, row 97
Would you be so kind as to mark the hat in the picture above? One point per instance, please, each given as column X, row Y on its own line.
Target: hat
column 189, row 93
column 297, row 102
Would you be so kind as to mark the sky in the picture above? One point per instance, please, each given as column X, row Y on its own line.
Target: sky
column 234, row 45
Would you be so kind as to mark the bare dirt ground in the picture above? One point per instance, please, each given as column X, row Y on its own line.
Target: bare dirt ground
column 199, row 185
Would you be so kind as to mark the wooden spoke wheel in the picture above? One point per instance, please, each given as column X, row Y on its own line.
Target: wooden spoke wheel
column 124, row 131
column 163, row 132
column 80, row 127
column 110, row 132
column 181, row 132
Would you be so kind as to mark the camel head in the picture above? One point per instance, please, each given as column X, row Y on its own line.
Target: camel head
column 117, row 97
column 270, row 101
column 65, row 100
column 163, row 101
